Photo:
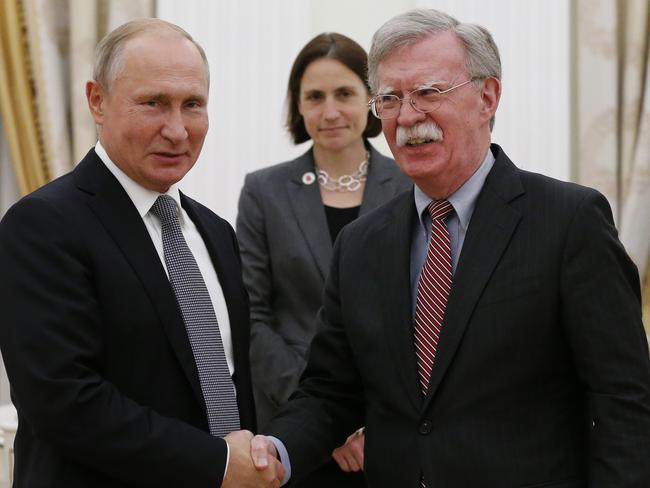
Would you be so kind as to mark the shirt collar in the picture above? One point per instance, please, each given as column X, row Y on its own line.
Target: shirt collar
column 463, row 199
column 141, row 197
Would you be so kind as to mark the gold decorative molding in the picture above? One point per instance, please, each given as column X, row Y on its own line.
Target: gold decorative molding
column 18, row 101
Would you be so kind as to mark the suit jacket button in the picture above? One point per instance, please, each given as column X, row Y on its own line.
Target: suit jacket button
column 426, row 426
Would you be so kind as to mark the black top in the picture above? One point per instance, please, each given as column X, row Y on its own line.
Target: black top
column 338, row 217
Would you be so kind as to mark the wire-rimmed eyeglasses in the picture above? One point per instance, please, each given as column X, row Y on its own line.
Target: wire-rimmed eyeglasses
column 423, row 100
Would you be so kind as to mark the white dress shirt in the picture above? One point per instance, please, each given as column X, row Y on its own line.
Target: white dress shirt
column 143, row 199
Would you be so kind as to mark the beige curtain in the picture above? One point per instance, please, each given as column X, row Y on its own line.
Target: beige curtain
column 46, row 56
column 612, row 87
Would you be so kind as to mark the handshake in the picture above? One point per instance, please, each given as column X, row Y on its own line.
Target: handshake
column 254, row 460
column 252, row 463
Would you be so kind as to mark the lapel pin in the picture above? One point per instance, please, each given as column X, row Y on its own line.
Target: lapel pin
column 308, row 178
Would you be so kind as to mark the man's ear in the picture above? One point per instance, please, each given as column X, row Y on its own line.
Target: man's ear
column 96, row 97
column 490, row 95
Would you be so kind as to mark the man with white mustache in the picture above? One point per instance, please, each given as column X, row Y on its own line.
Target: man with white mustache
column 427, row 131
column 484, row 327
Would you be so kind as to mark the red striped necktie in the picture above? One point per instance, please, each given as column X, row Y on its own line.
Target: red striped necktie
column 433, row 290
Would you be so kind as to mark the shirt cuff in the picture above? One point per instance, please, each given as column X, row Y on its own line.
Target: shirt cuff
column 225, row 470
column 284, row 458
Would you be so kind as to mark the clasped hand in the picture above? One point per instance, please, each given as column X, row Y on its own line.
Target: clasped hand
column 349, row 456
column 253, row 462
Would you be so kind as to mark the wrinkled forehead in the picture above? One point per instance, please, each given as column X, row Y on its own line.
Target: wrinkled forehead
column 163, row 49
column 436, row 59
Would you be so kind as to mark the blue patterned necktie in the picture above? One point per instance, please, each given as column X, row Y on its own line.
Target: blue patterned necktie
column 200, row 321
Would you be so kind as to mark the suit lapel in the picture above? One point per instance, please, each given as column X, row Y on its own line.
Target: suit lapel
column 307, row 206
column 379, row 186
column 395, row 260
column 492, row 225
column 114, row 209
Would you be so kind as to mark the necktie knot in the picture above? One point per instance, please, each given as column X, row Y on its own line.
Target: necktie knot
column 165, row 208
column 440, row 209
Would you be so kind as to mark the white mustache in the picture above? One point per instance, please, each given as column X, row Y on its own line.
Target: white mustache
column 428, row 130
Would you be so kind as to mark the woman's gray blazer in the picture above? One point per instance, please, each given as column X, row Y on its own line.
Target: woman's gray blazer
column 286, row 249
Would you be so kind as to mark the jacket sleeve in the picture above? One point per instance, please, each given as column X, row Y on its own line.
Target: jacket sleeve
column 602, row 317
column 329, row 403
column 53, row 341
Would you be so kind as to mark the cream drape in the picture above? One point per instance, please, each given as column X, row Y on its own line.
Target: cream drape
column 613, row 116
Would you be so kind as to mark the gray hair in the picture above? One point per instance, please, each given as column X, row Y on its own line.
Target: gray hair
column 482, row 55
column 108, row 53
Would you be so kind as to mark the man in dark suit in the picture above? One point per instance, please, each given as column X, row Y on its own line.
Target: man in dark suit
column 112, row 369
column 485, row 328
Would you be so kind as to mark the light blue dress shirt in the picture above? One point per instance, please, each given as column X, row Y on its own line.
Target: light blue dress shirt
column 463, row 201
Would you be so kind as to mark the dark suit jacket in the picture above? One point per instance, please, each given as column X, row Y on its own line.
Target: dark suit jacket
column 100, row 366
column 542, row 376
column 286, row 251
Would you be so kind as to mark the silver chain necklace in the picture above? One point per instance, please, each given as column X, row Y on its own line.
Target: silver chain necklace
column 343, row 183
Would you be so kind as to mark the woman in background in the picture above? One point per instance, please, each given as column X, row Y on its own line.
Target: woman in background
column 290, row 214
